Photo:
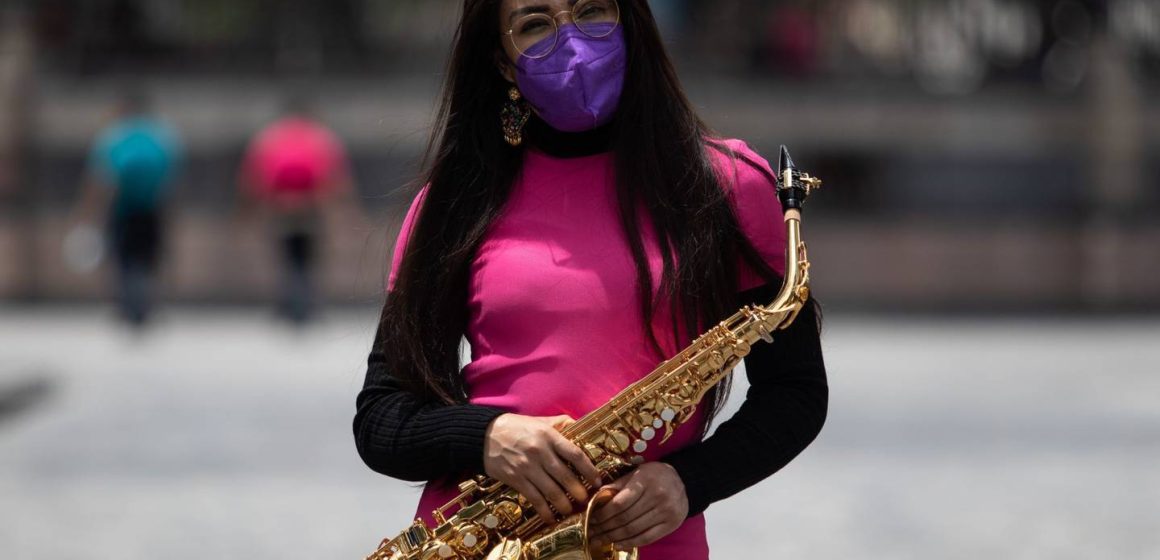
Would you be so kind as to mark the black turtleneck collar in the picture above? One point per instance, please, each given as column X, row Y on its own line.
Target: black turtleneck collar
column 567, row 144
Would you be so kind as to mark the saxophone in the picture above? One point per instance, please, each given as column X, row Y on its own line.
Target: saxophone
column 489, row 520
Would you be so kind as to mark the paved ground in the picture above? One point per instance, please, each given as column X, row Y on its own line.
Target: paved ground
column 221, row 435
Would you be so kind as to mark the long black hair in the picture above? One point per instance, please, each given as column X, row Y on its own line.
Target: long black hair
column 662, row 166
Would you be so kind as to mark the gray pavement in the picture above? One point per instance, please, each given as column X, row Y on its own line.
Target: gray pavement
column 223, row 435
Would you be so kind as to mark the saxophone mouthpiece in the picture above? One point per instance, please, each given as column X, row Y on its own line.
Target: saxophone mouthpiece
column 785, row 162
column 793, row 187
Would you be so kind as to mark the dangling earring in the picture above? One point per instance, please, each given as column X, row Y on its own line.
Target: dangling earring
column 514, row 116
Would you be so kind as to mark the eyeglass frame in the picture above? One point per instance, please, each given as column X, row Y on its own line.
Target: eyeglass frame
column 556, row 29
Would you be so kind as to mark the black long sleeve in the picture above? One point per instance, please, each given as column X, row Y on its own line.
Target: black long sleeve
column 400, row 435
column 783, row 412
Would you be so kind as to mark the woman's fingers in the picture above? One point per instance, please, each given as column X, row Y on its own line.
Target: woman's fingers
column 560, row 422
column 558, row 469
column 579, row 460
column 614, row 521
column 552, row 491
column 528, row 490
column 627, row 496
column 635, row 529
column 651, row 505
column 647, row 537
column 533, row 457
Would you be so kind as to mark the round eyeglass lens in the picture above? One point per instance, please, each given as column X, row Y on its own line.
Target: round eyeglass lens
column 596, row 18
column 535, row 35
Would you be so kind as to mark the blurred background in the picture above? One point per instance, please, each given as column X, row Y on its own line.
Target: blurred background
column 177, row 372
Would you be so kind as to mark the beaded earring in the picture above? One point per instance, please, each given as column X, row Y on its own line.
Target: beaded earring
column 514, row 117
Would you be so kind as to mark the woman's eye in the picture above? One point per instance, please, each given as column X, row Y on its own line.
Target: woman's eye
column 589, row 12
column 596, row 9
column 532, row 27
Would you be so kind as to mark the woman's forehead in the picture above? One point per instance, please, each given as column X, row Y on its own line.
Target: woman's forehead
column 526, row 6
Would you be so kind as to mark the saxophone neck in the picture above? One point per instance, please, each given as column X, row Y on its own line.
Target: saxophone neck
column 793, row 188
column 794, row 285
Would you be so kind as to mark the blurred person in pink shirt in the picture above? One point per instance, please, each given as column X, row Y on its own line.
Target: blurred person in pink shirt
column 296, row 172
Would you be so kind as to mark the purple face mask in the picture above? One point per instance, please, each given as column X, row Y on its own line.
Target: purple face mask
column 576, row 87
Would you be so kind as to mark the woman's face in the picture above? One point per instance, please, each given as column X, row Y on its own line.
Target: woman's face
column 513, row 13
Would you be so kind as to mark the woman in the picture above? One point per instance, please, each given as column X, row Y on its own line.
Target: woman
column 537, row 238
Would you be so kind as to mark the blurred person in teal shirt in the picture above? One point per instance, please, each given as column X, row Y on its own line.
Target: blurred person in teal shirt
column 131, row 170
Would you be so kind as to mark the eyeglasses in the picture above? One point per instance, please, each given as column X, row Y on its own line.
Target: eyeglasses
column 535, row 35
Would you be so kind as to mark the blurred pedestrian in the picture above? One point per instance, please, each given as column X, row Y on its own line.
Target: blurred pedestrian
column 791, row 41
column 131, row 170
column 295, row 172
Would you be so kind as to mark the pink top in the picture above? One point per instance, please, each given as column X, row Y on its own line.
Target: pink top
column 554, row 322
column 293, row 161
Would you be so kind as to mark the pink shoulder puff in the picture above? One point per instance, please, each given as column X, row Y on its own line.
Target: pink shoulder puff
column 404, row 237
column 751, row 185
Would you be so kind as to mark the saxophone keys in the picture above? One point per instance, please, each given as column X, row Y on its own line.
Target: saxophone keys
column 472, row 539
column 507, row 550
column 639, row 446
column 668, row 414
column 716, row 360
column 658, row 423
column 504, row 515
column 616, row 441
column 637, row 460
column 445, row 551
column 415, row 536
column 648, row 433
column 763, row 330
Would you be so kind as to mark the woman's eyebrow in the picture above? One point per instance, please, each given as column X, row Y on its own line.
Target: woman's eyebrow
column 537, row 9
column 520, row 12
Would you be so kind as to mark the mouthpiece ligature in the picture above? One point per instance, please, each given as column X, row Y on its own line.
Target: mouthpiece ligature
column 793, row 186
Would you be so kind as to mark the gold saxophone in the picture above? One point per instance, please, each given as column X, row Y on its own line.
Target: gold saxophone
column 489, row 520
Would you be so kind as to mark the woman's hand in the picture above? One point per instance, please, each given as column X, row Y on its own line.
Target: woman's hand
column 529, row 454
column 650, row 504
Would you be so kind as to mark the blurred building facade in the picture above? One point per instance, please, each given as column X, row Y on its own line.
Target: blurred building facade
column 979, row 154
